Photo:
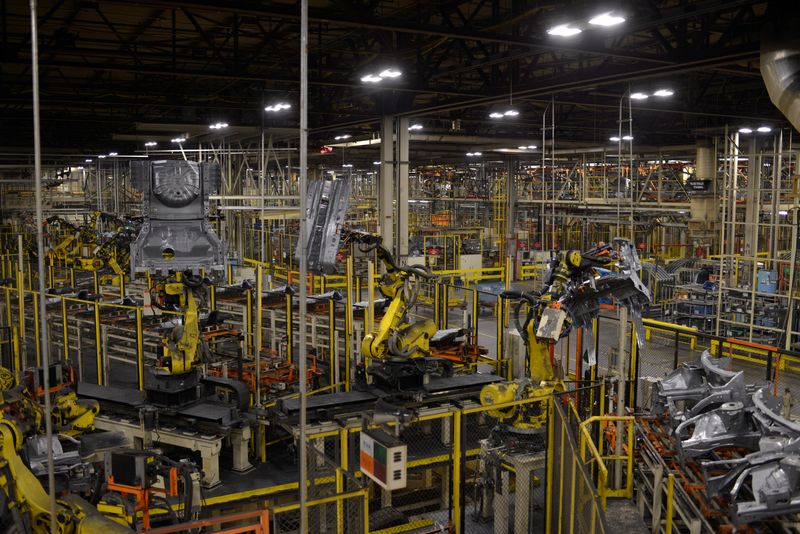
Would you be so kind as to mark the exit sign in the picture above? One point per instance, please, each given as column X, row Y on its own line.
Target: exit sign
column 383, row 459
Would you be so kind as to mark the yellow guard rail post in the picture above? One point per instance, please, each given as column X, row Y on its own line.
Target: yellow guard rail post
column 587, row 442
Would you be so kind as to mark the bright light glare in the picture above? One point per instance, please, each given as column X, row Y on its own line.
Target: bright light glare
column 664, row 92
column 179, row 140
column 376, row 162
column 511, row 113
column 606, row 19
column 112, row 153
column 470, row 154
column 627, row 137
column 88, row 161
column 415, row 127
column 280, row 106
column 371, row 78
column 150, row 143
column 564, row 30
column 496, row 115
column 522, row 147
column 531, row 147
column 745, row 130
column 764, row 129
column 218, row 125
column 80, row 168
column 390, row 73
column 340, row 137
column 614, row 139
column 783, row 213
column 638, row 96
column 101, row 156
column 348, row 165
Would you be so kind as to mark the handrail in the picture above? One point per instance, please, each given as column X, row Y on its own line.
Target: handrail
column 599, row 459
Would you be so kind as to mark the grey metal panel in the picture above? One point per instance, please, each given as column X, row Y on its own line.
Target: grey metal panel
column 176, row 234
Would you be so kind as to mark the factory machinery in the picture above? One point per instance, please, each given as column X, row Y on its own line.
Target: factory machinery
column 730, row 447
column 146, row 457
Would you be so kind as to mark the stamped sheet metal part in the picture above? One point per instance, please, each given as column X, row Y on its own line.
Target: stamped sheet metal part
column 327, row 205
column 730, row 425
column 773, row 474
column 701, row 385
column 176, row 234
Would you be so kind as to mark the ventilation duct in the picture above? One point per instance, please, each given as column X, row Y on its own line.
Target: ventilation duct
column 780, row 57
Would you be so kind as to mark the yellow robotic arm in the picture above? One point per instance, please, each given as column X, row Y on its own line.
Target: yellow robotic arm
column 181, row 348
column 73, row 514
column 399, row 349
column 395, row 336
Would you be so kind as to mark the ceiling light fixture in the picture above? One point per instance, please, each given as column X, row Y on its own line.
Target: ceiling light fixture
column 764, row 129
column 531, row 147
column 745, row 130
column 101, row 156
column 280, row 106
column 178, row 139
column 783, row 213
column 511, row 112
column 495, row 115
column 615, row 139
column 664, row 92
column 340, row 137
column 87, row 161
column 474, row 154
column 347, row 165
column 639, row 96
column 388, row 73
column 606, row 19
column 218, row 125
column 522, row 147
column 416, row 126
column 150, row 143
column 564, row 30
column 627, row 138
column 376, row 162
column 80, row 168
column 391, row 73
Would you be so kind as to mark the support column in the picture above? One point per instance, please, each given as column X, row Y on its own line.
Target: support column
column 752, row 207
column 402, row 189
column 511, row 214
column 386, row 184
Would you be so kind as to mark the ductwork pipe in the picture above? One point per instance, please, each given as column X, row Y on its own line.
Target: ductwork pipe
column 780, row 57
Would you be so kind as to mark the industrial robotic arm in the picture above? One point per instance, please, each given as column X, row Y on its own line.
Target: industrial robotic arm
column 181, row 348
column 400, row 349
column 569, row 298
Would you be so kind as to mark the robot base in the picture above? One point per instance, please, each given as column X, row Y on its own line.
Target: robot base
column 408, row 374
column 163, row 389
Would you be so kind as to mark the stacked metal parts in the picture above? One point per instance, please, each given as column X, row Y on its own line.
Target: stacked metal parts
column 711, row 411
column 176, row 235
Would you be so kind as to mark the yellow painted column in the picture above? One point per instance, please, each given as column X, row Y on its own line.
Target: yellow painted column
column 139, row 348
column 455, row 504
column 98, row 347
column 65, row 330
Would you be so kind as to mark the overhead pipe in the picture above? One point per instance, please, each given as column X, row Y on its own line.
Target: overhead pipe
column 780, row 57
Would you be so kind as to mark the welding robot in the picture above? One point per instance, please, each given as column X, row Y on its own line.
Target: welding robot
column 398, row 349
column 569, row 299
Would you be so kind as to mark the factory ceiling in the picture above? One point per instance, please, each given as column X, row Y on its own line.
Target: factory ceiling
column 110, row 66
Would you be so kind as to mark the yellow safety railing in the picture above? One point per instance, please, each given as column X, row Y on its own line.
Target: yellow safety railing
column 687, row 332
column 587, row 443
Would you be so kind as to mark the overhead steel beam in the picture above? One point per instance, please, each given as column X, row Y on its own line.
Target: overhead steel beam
column 596, row 47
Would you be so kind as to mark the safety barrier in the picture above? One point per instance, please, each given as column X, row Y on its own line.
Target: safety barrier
column 576, row 499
